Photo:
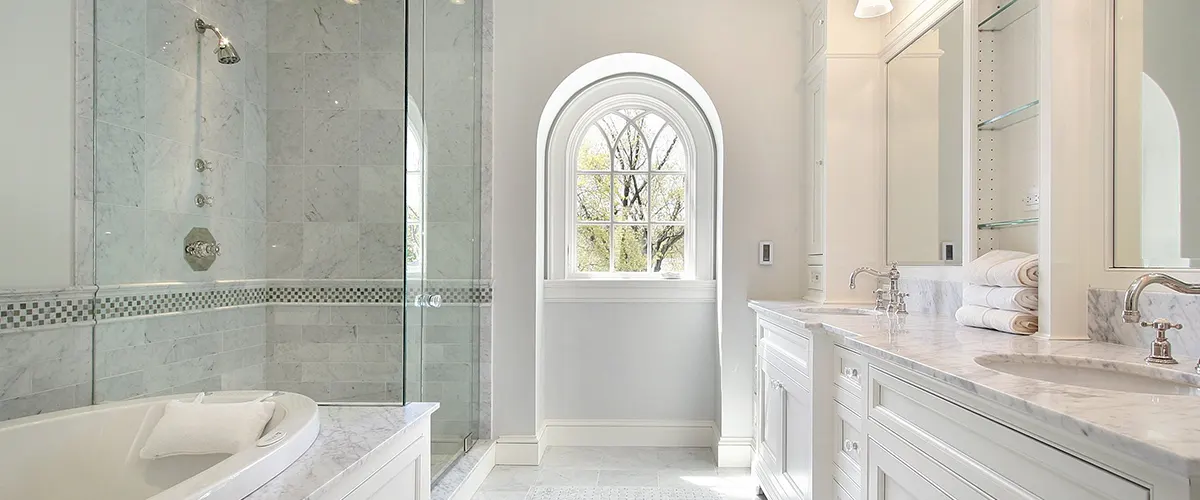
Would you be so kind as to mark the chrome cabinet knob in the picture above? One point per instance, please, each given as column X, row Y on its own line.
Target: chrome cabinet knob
column 850, row 372
column 849, row 446
column 775, row 384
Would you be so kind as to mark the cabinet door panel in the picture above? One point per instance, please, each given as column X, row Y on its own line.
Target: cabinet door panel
column 771, row 421
column 798, row 443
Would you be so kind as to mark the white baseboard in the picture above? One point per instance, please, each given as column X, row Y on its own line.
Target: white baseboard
column 475, row 478
column 735, row 452
column 521, row 450
column 657, row 433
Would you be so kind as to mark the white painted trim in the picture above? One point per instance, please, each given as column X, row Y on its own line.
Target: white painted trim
column 651, row 433
column 521, row 450
column 735, row 452
column 474, row 479
column 631, row 290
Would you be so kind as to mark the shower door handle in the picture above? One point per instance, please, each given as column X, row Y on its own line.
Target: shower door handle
column 428, row 300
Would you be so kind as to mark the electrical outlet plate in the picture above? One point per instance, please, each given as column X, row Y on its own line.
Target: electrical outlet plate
column 1032, row 201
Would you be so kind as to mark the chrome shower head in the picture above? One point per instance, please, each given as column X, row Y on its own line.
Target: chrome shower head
column 225, row 52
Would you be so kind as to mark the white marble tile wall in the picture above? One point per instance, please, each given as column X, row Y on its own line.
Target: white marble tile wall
column 937, row 297
column 337, row 352
column 221, row 349
column 449, row 344
column 455, row 84
column 1105, row 323
column 44, row 370
column 335, row 140
column 161, row 100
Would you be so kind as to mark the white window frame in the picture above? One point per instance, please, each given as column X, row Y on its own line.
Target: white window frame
column 695, row 133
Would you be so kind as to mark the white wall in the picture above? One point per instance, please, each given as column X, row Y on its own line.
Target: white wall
column 36, row 136
column 746, row 56
column 631, row 361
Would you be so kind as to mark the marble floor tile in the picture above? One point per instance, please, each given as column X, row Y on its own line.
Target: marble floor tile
column 604, row 473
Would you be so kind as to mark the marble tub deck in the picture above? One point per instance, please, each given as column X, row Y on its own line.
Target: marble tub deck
column 348, row 439
column 1162, row 430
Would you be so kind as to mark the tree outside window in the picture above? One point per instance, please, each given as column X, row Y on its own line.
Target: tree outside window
column 631, row 177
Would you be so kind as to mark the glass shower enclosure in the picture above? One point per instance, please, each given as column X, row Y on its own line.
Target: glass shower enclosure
column 286, row 195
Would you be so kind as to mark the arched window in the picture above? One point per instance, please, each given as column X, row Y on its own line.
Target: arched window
column 631, row 163
column 414, row 189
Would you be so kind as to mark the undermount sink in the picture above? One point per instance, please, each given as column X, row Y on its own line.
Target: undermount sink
column 841, row 311
column 1095, row 373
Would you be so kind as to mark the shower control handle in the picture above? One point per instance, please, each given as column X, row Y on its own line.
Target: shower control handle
column 435, row 300
column 203, row 165
column 204, row 201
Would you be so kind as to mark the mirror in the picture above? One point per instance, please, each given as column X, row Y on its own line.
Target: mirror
column 925, row 133
column 1156, row 134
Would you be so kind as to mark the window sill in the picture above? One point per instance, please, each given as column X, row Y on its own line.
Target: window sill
column 630, row 290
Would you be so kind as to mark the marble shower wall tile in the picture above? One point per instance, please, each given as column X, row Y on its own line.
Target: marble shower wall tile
column 44, row 370
column 162, row 101
column 337, row 353
column 937, row 297
column 223, row 349
column 1106, row 325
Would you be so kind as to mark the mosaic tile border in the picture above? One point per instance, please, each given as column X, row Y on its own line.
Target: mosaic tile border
column 37, row 309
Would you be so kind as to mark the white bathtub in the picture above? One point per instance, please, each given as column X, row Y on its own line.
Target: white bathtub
column 92, row 453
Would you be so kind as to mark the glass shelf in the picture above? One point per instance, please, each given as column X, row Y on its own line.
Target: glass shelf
column 1010, row 117
column 1001, row 224
column 1007, row 14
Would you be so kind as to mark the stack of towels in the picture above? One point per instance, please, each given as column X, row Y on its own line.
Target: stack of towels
column 1001, row 293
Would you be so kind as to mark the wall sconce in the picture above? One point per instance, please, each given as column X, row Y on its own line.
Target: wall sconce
column 867, row 9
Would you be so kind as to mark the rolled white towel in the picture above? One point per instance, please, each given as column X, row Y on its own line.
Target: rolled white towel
column 1006, row 321
column 1003, row 268
column 1020, row 299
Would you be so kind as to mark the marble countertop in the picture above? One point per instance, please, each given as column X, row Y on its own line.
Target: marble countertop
column 1161, row 429
column 349, row 435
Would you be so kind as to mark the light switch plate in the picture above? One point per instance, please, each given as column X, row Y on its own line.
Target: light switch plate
column 766, row 253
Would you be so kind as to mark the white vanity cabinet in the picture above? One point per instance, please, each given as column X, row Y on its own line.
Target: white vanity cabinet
column 783, row 435
column 834, row 423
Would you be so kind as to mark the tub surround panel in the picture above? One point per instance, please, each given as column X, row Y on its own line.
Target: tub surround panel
column 352, row 439
column 941, row 349
column 1105, row 324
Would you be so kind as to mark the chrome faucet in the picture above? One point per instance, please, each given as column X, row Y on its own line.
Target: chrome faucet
column 890, row 299
column 1160, row 349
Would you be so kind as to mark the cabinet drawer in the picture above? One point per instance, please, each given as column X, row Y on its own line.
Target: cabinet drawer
column 997, row 459
column 788, row 349
column 851, row 372
column 897, row 471
column 849, row 442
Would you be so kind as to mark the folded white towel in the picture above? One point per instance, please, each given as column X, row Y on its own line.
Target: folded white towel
column 1020, row 299
column 1003, row 268
column 1006, row 321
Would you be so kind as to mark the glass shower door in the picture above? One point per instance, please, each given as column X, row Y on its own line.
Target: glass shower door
column 443, row 82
